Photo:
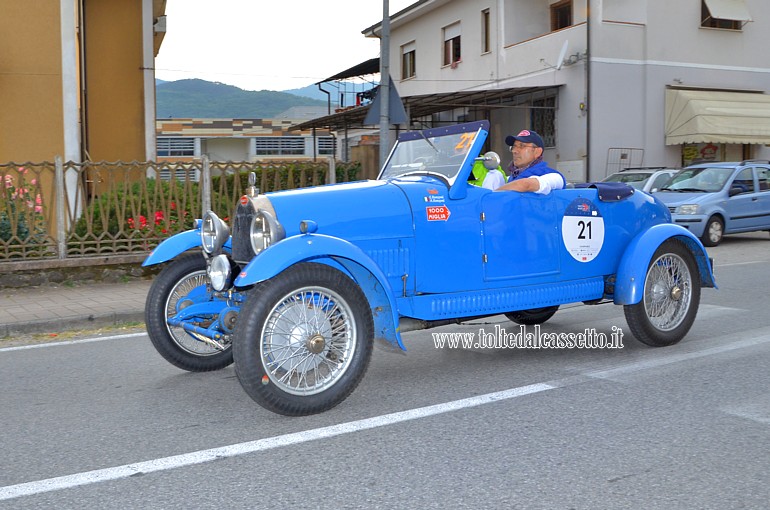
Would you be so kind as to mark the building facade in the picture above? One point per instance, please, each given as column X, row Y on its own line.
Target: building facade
column 609, row 84
column 77, row 79
column 187, row 140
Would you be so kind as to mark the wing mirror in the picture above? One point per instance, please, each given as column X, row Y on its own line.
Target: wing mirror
column 491, row 160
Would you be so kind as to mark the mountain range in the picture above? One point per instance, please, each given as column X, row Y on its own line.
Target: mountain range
column 205, row 99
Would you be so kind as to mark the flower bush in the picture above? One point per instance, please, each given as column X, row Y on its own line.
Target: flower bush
column 21, row 209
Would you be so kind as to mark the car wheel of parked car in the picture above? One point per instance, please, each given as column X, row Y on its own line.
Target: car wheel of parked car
column 715, row 229
column 671, row 297
column 172, row 290
column 532, row 316
column 303, row 340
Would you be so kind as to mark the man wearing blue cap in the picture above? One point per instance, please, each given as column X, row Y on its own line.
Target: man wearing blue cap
column 528, row 170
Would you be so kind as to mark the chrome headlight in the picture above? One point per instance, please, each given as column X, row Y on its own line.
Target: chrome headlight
column 265, row 230
column 214, row 233
column 688, row 209
column 220, row 272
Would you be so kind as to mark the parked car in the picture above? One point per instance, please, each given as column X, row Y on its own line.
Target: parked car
column 714, row 199
column 644, row 178
column 308, row 279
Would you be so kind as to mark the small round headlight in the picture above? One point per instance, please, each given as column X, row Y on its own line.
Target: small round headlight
column 220, row 271
column 265, row 230
column 214, row 233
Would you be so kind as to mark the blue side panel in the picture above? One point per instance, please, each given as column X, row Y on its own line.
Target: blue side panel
column 489, row 302
column 173, row 246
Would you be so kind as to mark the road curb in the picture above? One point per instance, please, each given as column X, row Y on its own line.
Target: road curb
column 92, row 321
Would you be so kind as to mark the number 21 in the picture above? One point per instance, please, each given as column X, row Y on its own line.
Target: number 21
column 583, row 227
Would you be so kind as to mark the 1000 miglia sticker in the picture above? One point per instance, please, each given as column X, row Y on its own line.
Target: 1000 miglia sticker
column 582, row 230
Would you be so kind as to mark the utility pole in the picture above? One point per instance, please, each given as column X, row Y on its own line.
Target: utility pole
column 384, row 92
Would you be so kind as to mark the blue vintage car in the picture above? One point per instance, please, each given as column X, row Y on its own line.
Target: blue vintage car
column 307, row 280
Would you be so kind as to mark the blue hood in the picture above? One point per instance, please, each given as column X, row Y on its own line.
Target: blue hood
column 352, row 211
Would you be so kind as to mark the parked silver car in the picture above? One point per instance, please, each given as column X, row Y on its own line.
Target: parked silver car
column 644, row 178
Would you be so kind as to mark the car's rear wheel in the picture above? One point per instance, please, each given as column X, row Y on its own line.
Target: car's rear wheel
column 532, row 316
column 671, row 297
column 715, row 230
column 303, row 340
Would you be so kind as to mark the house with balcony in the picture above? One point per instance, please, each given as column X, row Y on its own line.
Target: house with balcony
column 608, row 84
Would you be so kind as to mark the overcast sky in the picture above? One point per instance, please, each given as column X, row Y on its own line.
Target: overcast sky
column 267, row 45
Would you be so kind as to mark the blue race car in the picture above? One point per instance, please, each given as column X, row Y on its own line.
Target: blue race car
column 309, row 279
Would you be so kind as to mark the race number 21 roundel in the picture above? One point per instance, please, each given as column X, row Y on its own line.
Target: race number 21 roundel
column 582, row 230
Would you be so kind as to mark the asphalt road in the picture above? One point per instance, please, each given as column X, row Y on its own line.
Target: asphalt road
column 109, row 424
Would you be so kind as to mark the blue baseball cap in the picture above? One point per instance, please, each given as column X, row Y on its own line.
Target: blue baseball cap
column 525, row 136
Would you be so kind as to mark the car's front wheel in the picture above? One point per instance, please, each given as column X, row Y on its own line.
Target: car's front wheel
column 671, row 297
column 715, row 230
column 303, row 340
column 182, row 283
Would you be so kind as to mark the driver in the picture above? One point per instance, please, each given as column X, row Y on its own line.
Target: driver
column 528, row 170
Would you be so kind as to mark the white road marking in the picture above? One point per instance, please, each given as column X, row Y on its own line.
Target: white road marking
column 70, row 342
column 199, row 457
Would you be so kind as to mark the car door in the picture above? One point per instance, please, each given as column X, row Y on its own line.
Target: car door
column 520, row 235
column 763, row 196
column 742, row 209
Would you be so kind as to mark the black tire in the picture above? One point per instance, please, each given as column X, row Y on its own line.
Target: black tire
column 533, row 316
column 671, row 297
column 304, row 340
column 714, row 232
column 178, row 279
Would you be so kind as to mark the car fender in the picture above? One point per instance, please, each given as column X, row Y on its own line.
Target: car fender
column 173, row 246
column 632, row 270
column 342, row 255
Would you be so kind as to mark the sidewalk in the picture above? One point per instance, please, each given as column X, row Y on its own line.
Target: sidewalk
column 51, row 309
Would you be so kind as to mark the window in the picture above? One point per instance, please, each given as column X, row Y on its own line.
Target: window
column 729, row 15
column 452, row 44
column 408, row 61
column 486, row 46
column 561, row 15
column 744, row 180
column 168, row 147
column 543, row 119
column 280, row 145
column 326, row 145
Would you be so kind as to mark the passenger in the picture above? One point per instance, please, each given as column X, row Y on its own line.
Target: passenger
column 489, row 179
column 528, row 170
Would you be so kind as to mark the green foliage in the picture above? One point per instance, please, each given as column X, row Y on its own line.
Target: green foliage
column 152, row 208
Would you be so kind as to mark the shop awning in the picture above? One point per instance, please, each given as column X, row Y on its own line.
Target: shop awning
column 729, row 9
column 702, row 116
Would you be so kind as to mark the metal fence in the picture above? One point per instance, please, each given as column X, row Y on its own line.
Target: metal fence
column 62, row 211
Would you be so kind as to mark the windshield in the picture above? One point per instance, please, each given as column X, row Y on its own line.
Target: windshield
column 636, row 180
column 705, row 180
column 440, row 152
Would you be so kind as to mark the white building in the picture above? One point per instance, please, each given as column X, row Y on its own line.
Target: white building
column 638, row 82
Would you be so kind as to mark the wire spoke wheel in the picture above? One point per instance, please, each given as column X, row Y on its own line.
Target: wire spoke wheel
column 303, row 340
column 667, row 292
column 671, row 297
column 179, row 298
column 308, row 341
column 181, row 284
